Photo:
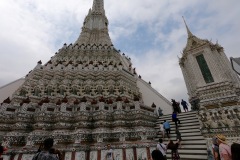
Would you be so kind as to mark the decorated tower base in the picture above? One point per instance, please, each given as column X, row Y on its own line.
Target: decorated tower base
column 85, row 97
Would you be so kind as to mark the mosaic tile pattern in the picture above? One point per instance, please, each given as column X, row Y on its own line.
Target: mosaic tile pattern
column 93, row 155
column 129, row 154
column 141, row 154
column 80, row 156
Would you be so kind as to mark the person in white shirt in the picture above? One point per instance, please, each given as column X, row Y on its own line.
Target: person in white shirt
column 109, row 153
column 162, row 130
column 162, row 147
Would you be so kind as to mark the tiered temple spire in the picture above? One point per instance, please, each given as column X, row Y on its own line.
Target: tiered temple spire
column 95, row 26
column 98, row 6
column 188, row 30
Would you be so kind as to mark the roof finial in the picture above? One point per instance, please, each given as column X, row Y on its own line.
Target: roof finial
column 188, row 30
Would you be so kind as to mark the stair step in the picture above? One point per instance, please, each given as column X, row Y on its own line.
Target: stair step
column 181, row 127
column 193, row 143
column 180, row 114
column 183, row 121
column 190, row 157
column 193, row 147
column 184, row 151
column 182, row 131
column 185, row 134
column 181, row 117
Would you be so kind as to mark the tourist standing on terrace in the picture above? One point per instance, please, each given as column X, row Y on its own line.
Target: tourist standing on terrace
column 185, row 105
column 109, row 153
column 176, row 107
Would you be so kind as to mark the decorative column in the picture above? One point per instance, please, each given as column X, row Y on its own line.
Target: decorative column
column 99, row 154
column 20, row 156
column 135, row 153
column 124, row 154
column 148, row 153
column 88, row 155
column 73, row 155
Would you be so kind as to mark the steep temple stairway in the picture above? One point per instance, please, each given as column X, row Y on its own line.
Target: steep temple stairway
column 193, row 143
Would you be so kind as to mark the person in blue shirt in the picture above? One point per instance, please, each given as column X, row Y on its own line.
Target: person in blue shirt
column 166, row 126
column 175, row 119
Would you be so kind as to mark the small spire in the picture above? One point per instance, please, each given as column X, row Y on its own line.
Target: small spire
column 188, row 30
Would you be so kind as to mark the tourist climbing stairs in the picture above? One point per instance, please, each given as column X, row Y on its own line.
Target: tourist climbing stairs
column 193, row 143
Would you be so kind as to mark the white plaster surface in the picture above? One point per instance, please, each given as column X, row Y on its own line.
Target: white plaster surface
column 7, row 90
column 151, row 96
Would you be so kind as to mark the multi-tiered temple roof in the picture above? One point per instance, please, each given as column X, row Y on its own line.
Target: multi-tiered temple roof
column 87, row 95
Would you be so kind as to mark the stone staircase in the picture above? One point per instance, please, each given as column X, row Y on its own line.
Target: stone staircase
column 193, row 143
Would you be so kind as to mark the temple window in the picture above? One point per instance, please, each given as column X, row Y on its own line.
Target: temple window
column 74, row 91
column 23, row 93
column 36, row 92
column 62, row 91
column 49, row 91
column 99, row 90
column 204, row 69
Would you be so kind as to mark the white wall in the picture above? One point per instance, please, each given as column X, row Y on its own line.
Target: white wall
column 7, row 90
column 150, row 96
column 236, row 65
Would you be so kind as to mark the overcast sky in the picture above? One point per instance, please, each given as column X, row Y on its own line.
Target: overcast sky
column 151, row 32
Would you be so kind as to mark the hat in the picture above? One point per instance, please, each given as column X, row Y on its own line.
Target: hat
column 221, row 138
